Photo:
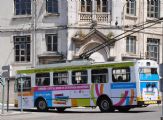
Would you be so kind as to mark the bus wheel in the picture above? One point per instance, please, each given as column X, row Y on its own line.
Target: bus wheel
column 60, row 109
column 105, row 105
column 41, row 105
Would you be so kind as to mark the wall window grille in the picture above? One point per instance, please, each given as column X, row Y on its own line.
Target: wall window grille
column 22, row 48
column 22, row 7
column 153, row 49
column 131, row 44
column 52, row 6
column 101, row 6
column 52, row 42
column 86, row 5
column 153, row 8
column 131, row 7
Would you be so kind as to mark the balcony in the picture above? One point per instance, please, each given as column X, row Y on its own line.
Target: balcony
column 99, row 17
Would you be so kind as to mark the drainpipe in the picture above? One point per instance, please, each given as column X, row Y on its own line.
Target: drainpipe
column 33, row 53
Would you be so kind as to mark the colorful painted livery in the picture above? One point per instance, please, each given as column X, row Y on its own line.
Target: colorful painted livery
column 114, row 85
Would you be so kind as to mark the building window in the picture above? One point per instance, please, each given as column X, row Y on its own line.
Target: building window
column 22, row 7
column 22, row 48
column 82, row 6
column 131, row 44
column 104, row 5
column 52, row 6
column 86, row 5
column 131, row 7
column 101, row 6
column 98, row 6
column 153, row 8
column 52, row 42
column 89, row 6
column 153, row 49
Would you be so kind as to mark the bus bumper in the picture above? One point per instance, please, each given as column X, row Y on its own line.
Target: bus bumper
column 141, row 103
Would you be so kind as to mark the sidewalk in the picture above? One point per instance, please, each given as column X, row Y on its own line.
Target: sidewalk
column 10, row 113
column 12, row 110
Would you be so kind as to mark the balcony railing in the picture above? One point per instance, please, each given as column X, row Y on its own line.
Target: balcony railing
column 99, row 17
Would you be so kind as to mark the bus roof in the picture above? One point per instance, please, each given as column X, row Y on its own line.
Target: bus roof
column 66, row 67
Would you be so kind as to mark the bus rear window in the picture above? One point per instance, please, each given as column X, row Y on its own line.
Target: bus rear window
column 148, row 71
column 148, row 74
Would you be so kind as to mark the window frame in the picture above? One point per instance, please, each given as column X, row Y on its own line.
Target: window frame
column 54, row 3
column 53, row 42
column 119, row 77
column 86, row 6
column 82, row 77
column 131, row 44
column 25, row 87
column 22, row 48
column 60, row 77
column 101, row 7
column 100, row 74
column 26, row 9
column 40, row 80
column 152, row 45
column 153, row 9
column 131, row 7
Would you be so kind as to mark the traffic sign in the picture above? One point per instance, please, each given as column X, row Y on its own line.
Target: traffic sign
column 6, row 71
column 5, row 74
column 6, row 67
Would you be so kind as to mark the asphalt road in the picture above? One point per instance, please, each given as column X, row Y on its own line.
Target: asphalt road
column 148, row 113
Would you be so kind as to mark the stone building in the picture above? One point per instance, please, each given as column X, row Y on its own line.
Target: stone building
column 34, row 32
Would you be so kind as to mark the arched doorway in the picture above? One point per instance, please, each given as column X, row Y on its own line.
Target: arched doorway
column 98, row 56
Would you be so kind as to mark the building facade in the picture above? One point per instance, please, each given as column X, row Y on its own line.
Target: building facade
column 34, row 32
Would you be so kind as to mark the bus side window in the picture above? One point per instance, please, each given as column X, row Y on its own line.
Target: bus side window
column 60, row 78
column 99, row 76
column 121, row 75
column 42, row 79
column 79, row 77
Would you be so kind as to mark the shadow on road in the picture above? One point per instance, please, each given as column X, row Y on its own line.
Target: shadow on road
column 67, row 111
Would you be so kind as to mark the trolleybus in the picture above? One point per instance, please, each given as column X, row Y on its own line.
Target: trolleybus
column 110, row 86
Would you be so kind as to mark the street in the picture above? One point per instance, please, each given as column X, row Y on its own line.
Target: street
column 148, row 113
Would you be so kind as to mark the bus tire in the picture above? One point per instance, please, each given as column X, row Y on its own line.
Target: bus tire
column 60, row 109
column 41, row 105
column 105, row 105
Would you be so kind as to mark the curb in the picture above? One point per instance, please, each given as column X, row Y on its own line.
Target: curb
column 14, row 113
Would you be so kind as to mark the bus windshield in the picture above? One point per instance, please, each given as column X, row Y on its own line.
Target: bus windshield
column 26, row 84
column 148, row 74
